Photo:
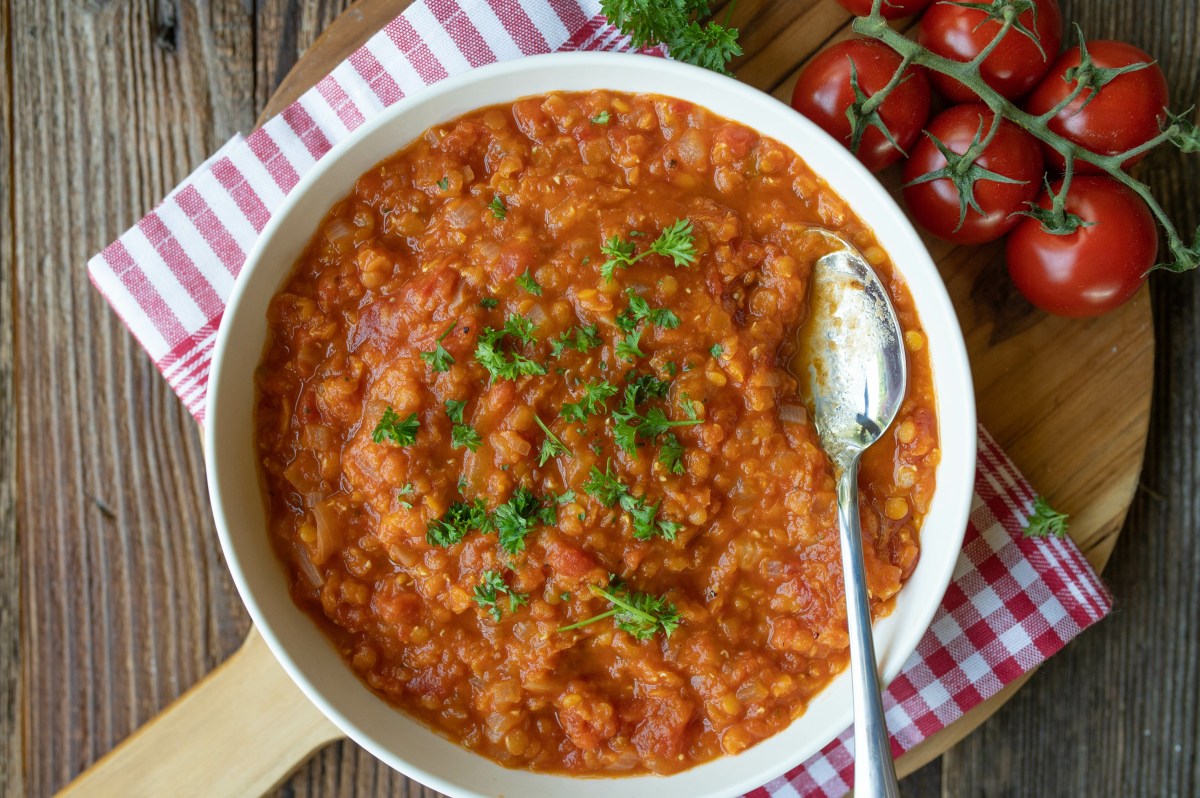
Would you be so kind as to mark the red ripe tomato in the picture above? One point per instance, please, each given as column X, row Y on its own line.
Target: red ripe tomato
column 1094, row 269
column 1123, row 114
column 823, row 94
column 1013, row 153
column 892, row 9
column 1013, row 68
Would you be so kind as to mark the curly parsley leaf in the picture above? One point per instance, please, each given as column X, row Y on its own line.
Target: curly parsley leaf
column 518, row 516
column 459, row 519
column 639, row 310
column 489, row 302
column 527, row 282
column 671, row 454
column 465, row 436
column 439, row 359
column 552, row 446
column 394, row 430
column 406, row 489
column 487, row 594
column 1045, row 521
column 497, row 207
column 677, row 242
column 595, row 394
column 604, row 486
column 677, row 24
column 601, row 118
column 640, row 614
column 454, row 410
column 628, row 348
column 581, row 339
column 508, row 365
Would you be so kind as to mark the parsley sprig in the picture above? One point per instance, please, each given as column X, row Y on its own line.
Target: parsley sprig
column 606, row 488
column 640, row 614
column 677, row 24
column 531, row 285
column 440, row 359
column 392, row 429
column 630, row 425
column 508, row 365
column 676, row 242
column 487, row 593
column 459, row 519
column 461, row 435
column 595, row 394
column 1045, row 521
column 639, row 310
column 581, row 339
column 552, row 446
column 518, row 516
column 497, row 207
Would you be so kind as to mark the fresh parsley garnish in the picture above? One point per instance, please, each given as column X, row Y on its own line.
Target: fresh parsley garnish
column 581, row 339
column 444, row 183
column 639, row 309
column 564, row 498
column 394, row 430
column 1045, row 521
column 454, row 409
column 518, row 516
column 717, row 350
column 601, row 118
column 676, row 242
column 677, row 24
column 439, row 359
column 595, row 394
column 671, row 454
column 465, row 436
column 640, row 614
column 405, row 490
column 459, row 519
column 671, row 368
column 527, row 282
column 510, row 365
column 552, row 446
column 628, row 347
column 629, row 424
column 461, row 435
column 497, row 206
column 491, row 586
column 646, row 387
column 489, row 302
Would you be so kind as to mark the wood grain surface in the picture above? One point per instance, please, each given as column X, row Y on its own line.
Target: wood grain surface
column 109, row 552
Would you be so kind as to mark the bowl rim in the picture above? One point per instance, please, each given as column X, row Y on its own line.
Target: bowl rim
column 952, row 358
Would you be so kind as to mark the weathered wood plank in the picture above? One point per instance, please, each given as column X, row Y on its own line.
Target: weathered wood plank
column 11, row 776
column 126, row 600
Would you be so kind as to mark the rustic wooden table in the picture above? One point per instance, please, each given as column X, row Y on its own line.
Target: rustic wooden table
column 113, row 595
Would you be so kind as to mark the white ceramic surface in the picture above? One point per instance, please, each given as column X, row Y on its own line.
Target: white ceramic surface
column 234, row 485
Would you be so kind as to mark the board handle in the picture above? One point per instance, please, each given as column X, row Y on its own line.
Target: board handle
column 239, row 732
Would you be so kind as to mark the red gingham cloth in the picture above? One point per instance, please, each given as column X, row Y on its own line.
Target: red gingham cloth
column 1013, row 601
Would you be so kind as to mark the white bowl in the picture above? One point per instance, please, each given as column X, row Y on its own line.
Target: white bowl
column 233, row 482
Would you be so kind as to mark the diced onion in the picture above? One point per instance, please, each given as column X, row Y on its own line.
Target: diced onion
column 340, row 234
column 325, row 518
column 793, row 414
column 307, row 569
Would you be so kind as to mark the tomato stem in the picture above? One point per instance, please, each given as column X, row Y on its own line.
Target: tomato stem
column 874, row 26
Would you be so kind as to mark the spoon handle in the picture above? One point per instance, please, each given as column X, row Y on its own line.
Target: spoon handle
column 874, row 772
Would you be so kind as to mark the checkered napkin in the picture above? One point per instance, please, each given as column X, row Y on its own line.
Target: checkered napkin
column 1013, row 601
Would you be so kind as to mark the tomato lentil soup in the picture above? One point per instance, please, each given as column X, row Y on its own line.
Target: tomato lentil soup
column 532, row 454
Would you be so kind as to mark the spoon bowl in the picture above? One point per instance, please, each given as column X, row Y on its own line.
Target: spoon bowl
column 853, row 376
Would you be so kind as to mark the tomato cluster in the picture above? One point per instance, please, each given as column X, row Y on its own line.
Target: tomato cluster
column 1110, row 99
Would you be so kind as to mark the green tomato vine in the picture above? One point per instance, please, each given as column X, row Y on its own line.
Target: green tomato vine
column 1178, row 131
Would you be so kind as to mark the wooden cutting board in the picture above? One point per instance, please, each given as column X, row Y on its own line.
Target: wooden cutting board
column 1068, row 400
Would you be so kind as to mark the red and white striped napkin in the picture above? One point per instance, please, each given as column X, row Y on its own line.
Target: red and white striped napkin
column 1013, row 601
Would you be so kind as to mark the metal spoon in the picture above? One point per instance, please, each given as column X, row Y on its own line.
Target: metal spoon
column 853, row 376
